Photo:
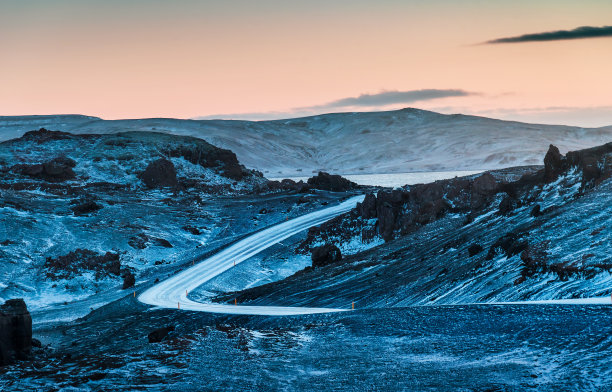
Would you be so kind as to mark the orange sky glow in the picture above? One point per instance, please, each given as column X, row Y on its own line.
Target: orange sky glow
column 185, row 59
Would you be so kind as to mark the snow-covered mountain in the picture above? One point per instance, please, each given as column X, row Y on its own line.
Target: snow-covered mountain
column 406, row 140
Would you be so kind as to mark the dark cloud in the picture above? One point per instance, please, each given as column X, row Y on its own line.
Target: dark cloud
column 578, row 33
column 390, row 98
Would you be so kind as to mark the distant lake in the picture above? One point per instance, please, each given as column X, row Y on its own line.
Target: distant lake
column 397, row 179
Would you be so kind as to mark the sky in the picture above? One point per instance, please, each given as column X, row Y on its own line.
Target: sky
column 536, row 61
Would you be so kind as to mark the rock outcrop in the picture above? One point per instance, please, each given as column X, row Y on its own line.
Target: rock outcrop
column 76, row 262
column 56, row 170
column 325, row 254
column 553, row 164
column 41, row 159
column 401, row 211
column 129, row 280
column 206, row 155
column 44, row 135
column 159, row 334
column 15, row 331
column 331, row 182
column 85, row 208
column 322, row 181
column 474, row 249
column 393, row 213
column 159, row 174
column 592, row 163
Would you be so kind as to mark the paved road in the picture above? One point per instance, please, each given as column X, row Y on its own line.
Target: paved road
column 173, row 292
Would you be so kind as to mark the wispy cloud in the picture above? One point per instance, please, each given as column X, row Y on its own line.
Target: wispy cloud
column 559, row 35
column 377, row 101
column 390, row 98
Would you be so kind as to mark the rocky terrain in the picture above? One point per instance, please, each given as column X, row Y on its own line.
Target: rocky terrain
column 85, row 215
column 408, row 140
column 88, row 221
column 515, row 234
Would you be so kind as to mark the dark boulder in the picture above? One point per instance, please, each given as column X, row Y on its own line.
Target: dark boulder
column 192, row 229
column 129, row 280
column 331, row 182
column 325, row 254
column 159, row 334
column 536, row 211
column 507, row 205
column 159, row 174
column 86, row 208
column 161, row 242
column 15, row 331
column 474, row 249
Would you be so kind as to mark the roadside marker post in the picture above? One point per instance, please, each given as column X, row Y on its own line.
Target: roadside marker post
column 179, row 305
column 353, row 305
column 134, row 294
column 235, row 301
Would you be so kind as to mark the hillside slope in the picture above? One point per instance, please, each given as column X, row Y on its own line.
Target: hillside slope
column 487, row 238
column 79, row 213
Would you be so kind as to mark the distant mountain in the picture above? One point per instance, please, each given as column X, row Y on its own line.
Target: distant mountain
column 405, row 140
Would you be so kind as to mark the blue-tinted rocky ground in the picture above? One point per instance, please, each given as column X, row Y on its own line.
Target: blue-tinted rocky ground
column 81, row 214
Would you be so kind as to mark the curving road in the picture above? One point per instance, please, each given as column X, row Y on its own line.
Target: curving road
column 172, row 292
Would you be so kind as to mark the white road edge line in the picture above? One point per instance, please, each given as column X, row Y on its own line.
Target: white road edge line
column 172, row 292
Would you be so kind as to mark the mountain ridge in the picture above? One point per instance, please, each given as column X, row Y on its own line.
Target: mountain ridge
column 405, row 140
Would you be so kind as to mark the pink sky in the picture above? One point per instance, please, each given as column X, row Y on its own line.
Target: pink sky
column 130, row 59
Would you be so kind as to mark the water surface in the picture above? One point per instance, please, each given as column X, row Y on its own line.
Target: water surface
column 397, row 179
